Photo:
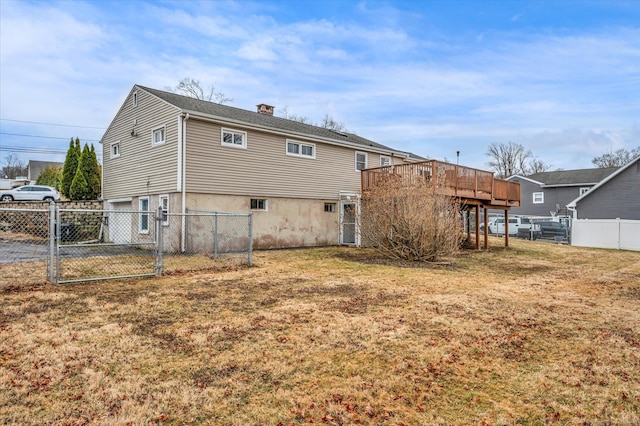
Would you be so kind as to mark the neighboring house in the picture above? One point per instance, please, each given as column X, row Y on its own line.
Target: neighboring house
column 548, row 193
column 301, row 181
column 36, row 167
column 617, row 196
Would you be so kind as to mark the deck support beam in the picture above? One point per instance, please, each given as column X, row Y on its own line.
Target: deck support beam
column 506, row 228
column 477, row 211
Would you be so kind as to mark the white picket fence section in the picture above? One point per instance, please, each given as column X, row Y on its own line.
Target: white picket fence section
column 618, row 234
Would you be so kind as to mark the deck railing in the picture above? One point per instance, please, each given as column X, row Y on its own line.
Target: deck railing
column 455, row 180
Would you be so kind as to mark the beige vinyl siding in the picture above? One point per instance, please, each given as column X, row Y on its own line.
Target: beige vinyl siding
column 264, row 169
column 141, row 168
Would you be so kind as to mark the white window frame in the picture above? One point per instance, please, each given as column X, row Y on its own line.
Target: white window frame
column 366, row 160
column 300, row 145
column 385, row 160
column 165, row 209
column 153, row 135
column 134, row 99
column 117, row 146
column 142, row 213
column 584, row 190
column 538, row 198
column 264, row 200
column 233, row 133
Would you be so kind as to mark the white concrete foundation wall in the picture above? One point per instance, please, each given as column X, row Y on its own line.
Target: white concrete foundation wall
column 287, row 222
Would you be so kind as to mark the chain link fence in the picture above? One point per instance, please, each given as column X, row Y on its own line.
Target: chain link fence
column 73, row 245
column 195, row 240
column 25, row 246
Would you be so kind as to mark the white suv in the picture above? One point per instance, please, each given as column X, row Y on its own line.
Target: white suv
column 30, row 193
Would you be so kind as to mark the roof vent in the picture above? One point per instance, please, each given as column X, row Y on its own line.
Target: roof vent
column 265, row 109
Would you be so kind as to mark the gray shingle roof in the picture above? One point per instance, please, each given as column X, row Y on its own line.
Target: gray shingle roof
column 187, row 103
column 573, row 177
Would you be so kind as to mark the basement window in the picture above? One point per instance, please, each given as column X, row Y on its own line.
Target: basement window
column 330, row 207
column 258, row 204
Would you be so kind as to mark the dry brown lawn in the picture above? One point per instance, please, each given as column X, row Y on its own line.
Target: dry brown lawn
column 536, row 334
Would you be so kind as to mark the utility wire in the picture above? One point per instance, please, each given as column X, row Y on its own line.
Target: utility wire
column 46, row 137
column 53, row 124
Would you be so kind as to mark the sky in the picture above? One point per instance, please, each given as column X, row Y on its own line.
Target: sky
column 561, row 78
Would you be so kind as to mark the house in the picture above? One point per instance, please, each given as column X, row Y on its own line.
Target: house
column 548, row 193
column 301, row 181
column 617, row 196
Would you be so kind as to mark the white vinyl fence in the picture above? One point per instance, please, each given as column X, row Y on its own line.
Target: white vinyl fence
column 606, row 233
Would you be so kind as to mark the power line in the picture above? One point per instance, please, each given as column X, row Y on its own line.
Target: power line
column 53, row 124
column 45, row 137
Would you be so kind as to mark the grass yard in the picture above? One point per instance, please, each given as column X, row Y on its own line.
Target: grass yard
column 536, row 334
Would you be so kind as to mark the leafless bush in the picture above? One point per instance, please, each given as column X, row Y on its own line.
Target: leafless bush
column 411, row 221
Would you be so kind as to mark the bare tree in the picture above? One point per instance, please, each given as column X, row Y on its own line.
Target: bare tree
column 284, row 113
column 13, row 167
column 330, row 123
column 509, row 159
column 537, row 166
column 192, row 87
column 410, row 220
column 616, row 159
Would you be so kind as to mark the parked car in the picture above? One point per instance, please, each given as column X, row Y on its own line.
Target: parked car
column 553, row 230
column 30, row 193
column 531, row 233
column 515, row 223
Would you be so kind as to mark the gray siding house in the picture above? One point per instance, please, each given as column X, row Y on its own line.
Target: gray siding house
column 549, row 193
column 615, row 197
column 183, row 153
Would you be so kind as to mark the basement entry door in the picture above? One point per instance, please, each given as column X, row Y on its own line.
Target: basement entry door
column 348, row 213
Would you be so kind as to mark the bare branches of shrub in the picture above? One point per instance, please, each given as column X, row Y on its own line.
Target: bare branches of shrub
column 412, row 221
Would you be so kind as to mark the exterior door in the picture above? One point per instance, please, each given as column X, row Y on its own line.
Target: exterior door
column 348, row 216
column 120, row 223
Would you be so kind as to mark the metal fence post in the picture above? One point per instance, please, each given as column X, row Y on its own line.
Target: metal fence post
column 250, row 239
column 52, row 240
column 215, row 234
column 58, row 228
column 159, row 243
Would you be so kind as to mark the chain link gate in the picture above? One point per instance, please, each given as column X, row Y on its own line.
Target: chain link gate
column 105, row 244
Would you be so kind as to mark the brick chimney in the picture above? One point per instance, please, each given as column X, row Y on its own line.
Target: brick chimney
column 265, row 109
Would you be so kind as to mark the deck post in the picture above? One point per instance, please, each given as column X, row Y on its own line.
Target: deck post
column 486, row 228
column 477, row 208
column 506, row 228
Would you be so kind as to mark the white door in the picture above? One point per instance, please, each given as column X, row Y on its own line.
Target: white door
column 120, row 222
column 348, row 215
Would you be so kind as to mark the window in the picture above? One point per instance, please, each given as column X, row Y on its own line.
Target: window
column 385, row 161
column 538, row 197
column 134, row 99
column 163, row 202
column 234, row 138
column 300, row 149
column 330, row 207
column 143, row 221
column 158, row 135
column 115, row 150
column 584, row 190
column 258, row 204
column 361, row 160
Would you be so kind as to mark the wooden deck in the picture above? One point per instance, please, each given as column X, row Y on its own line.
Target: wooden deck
column 471, row 186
